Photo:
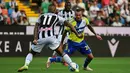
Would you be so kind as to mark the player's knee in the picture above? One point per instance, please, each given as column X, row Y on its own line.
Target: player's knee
column 33, row 52
column 59, row 52
column 63, row 53
column 91, row 57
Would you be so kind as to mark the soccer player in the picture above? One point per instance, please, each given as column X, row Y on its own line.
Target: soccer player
column 44, row 34
column 67, row 13
column 75, row 43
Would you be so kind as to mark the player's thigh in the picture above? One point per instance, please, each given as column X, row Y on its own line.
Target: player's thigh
column 70, row 49
column 54, row 43
column 85, row 49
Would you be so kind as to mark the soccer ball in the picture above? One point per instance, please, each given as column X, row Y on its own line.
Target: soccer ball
column 73, row 67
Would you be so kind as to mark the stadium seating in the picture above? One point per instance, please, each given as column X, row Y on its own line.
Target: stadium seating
column 21, row 6
column 30, row 13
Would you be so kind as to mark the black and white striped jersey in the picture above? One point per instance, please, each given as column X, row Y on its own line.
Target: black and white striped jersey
column 47, row 24
column 67, row 16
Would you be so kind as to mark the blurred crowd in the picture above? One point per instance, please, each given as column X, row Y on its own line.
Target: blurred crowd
column 11, row 15
column 99, row 12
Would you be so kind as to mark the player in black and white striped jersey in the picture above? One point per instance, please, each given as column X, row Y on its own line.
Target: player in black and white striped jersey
column 67, row 13
column 47, row 23
column 44, row 35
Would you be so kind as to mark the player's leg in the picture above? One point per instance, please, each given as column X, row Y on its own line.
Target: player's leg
column 87, row 61
column 28, row 59
column 68, row 60
column 54, row 54
column 35, row 49
column 53, row 60
column 65, row 48
column 59, row 49
column 56, row 59
column 65, row 56
column 53, row 45
column 85, row 50
column 69, row 51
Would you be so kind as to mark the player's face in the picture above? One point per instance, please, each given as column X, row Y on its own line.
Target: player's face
column 78, row 15
column 68, row 6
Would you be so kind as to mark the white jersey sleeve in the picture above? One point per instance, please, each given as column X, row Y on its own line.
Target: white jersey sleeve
column 39, row 20
column 59, row 13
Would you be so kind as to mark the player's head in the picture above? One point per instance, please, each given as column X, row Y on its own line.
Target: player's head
column 78, row 14
column 52, row 8
column 67, row 6
column 77, row 1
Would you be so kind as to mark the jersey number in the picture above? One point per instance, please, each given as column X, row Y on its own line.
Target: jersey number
column 46, row 21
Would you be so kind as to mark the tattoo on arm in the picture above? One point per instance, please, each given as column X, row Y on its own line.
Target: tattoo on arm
column 36, row 31
column 71, row 27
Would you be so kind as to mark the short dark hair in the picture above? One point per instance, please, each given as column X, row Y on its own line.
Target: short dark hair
column 50, row 8
column 67, row 3
column 78, row 9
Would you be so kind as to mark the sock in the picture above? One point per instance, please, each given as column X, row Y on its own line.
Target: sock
column 54, row 54
column 56, row 59
column 28, row 59
column 87, row 61
column 67, row 59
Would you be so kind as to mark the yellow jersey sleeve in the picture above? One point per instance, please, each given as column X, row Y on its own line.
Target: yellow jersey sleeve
column 67, row 28
column 86, row 19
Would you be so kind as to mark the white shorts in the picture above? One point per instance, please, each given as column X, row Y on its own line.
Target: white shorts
column 51, row 42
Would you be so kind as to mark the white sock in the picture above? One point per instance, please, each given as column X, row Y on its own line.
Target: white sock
column 28, row 59
column 67, row 59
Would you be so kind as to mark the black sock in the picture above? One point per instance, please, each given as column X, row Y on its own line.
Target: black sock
column 87, row 61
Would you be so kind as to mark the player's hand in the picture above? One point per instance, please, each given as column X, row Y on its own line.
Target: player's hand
column 35, row 42
column 99, row 37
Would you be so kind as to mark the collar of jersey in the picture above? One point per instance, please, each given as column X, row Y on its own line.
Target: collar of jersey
column 78, row 22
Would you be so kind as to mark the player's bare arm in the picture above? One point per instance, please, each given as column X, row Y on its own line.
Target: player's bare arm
column 73, row 29
column 93, row 31
column 35, row 33
column 63, row 37
column 62, row 40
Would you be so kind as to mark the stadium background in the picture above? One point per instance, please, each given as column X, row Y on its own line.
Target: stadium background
column 111, row 54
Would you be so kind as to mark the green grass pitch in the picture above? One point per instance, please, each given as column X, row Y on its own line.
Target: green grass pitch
column 100, row 65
